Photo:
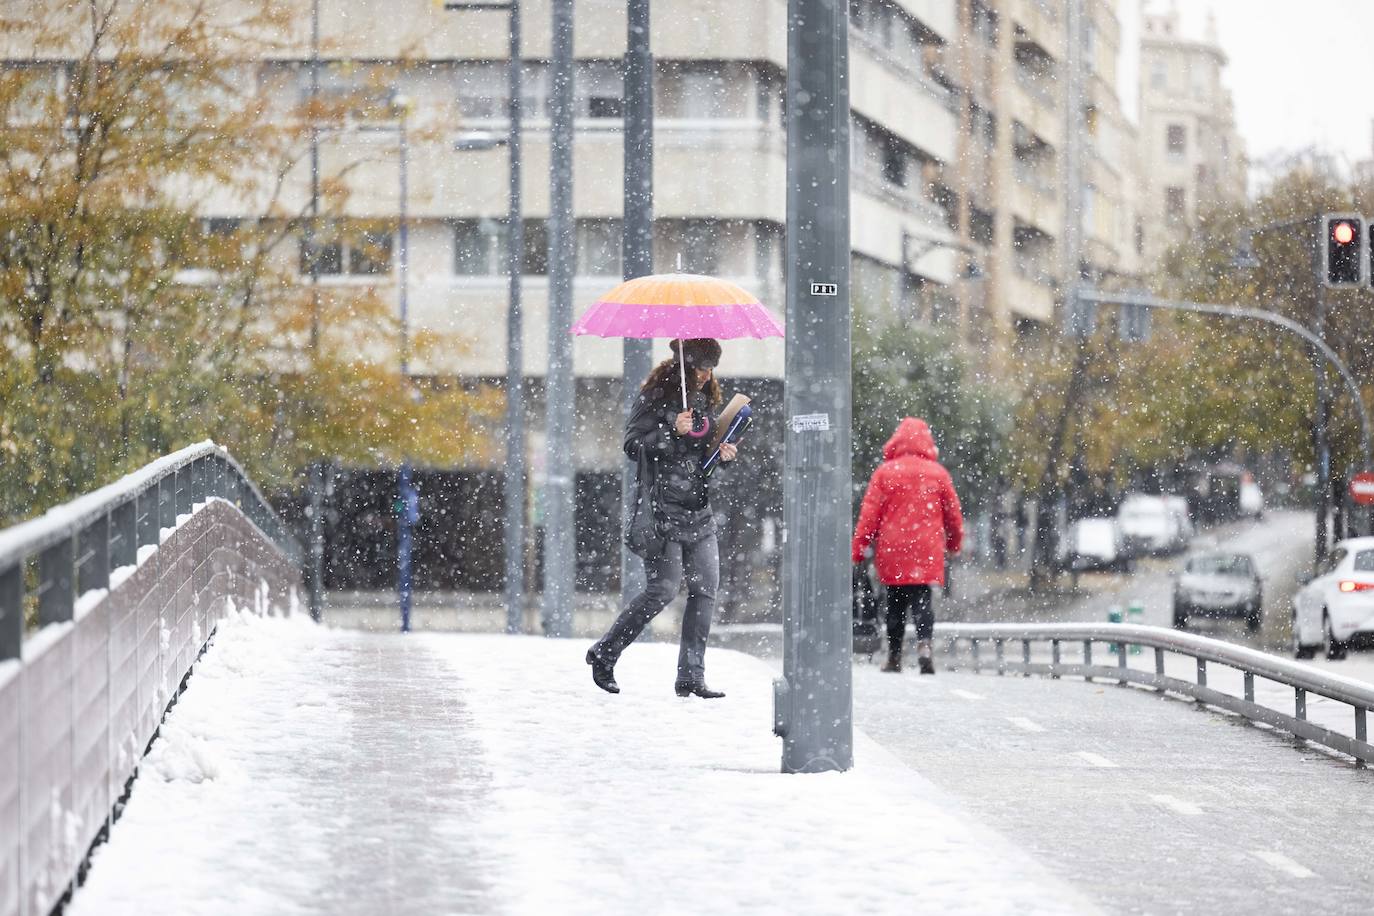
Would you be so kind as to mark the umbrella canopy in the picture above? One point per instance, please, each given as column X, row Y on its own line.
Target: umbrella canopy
column 678, row 305
column 683, row 306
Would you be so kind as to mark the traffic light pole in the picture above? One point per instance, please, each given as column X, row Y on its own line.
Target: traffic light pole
column 813, row 701
column 1322, row 448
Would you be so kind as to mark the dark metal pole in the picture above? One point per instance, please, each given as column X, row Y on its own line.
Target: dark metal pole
column 1322, row 447
column 312, row 225
column 637, row 240
column 403, row 242
column 514, row 487
column 407, row 515
column 559, row 556
column 813, row 701
column 317, row 498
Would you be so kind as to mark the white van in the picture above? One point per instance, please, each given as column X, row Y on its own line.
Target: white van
column 1152, row 524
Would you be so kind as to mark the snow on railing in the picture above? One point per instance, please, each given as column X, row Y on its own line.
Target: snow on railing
column 1121, row 639
column 126, row 585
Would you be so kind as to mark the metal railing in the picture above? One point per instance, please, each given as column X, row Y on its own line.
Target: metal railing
column 73, row 549
column 1250, row 663
column 127, row 585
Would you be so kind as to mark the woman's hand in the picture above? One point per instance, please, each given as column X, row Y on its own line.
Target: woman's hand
column 727, row 451
column 684, row 423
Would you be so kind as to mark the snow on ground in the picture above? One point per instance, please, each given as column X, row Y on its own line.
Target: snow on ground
column 315, row 771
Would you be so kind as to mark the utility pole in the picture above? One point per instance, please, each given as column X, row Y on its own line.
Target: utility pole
column 1321, row 446
column 514, row 490
column 637, row 240
column 514, row 486
column 813, row 701
column 557, row 495
column 311, row 228
column 408, row 498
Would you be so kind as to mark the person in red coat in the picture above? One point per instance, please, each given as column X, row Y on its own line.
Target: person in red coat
column 913, row 513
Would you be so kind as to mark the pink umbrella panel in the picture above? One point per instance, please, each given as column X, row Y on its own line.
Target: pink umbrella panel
column 682, row 306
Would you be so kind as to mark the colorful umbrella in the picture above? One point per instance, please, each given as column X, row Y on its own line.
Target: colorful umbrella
column 681, row 306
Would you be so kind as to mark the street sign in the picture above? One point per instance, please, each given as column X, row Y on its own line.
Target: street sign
column 1362, row 488
column 825, row 289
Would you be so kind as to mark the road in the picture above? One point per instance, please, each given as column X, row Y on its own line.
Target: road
column 1146, row 804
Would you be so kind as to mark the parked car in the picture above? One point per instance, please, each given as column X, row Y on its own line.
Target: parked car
column 1153, row 524
column 1336, row 608
column 1094, row 543
column 1219, row 585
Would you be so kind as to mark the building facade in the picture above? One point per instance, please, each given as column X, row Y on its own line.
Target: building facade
column 1191, row 156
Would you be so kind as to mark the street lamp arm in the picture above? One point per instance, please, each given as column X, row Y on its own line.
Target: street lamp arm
column 1230, row 311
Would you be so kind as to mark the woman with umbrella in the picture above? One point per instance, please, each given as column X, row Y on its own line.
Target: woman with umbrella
column 668, row 435
column 670, row 444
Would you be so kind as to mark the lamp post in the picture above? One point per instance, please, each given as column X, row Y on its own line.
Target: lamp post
column 637, row 239
column 409, row 503
column 813, row 701
column 513, row 492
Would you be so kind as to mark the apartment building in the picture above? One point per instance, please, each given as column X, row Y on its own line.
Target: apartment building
column 1191, row 155
column 1007, row 193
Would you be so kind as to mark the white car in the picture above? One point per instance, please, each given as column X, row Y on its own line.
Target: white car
column 1152, row 524
column 1336, row 608
column 1094, row 543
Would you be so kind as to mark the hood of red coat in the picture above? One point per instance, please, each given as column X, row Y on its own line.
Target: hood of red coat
column 911, row 438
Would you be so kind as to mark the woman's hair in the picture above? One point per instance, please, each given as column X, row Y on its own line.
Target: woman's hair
column 664, row 382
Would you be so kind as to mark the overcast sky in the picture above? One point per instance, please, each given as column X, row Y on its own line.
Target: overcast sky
column 1285, row 57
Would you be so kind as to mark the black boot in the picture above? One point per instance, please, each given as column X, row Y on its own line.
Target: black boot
column 927, row 666
column 696, row 689
column 603, row 675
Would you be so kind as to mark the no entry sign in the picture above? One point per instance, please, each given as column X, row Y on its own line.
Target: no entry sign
column 1362, row 488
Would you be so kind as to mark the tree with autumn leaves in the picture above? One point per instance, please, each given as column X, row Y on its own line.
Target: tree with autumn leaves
column 1202, row 386
column 130, row 323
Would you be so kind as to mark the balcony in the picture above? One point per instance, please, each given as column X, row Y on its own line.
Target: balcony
column 1032, row 297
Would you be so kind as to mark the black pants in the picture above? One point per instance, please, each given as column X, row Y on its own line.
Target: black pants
column 901, row 597
column 700, row 561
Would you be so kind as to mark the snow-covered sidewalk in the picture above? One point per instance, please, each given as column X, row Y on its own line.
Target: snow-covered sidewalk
column 315, row 771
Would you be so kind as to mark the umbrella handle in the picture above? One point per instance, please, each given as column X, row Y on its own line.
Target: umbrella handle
column 682, row 366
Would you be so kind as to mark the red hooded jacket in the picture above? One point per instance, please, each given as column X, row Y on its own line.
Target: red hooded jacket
column 911, row 509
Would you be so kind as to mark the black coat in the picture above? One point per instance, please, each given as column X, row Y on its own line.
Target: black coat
column 671, row 476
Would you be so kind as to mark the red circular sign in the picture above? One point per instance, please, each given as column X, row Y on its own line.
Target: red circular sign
column 1362, row 488
column 1343, row 233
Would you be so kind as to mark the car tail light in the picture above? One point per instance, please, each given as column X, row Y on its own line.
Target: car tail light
column 1350, row 585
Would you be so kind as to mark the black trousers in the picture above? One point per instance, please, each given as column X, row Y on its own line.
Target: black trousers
column 917, row 598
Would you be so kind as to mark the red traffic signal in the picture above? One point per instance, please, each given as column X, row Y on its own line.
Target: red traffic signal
column 1344, row 250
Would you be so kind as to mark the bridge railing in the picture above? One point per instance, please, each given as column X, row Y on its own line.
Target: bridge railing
column 121, row 589
column 1252, row 664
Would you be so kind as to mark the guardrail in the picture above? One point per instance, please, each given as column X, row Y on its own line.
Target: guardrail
column 127, row 584
column 1250, row 663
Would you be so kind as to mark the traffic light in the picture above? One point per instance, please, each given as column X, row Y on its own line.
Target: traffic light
column 1345, row 250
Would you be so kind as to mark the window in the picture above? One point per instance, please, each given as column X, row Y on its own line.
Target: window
column 598, row 247
column 1159, row 75
column 1364, row 561
column 600, row 106
column 894, row 163
column 364, row 253
column 321, row 257
column 984, row 23
column 1174, row 203
column 370, row 254
column 1176, row 141
column 480, row 248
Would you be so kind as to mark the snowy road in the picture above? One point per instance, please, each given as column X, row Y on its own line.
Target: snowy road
column 1149, row 805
